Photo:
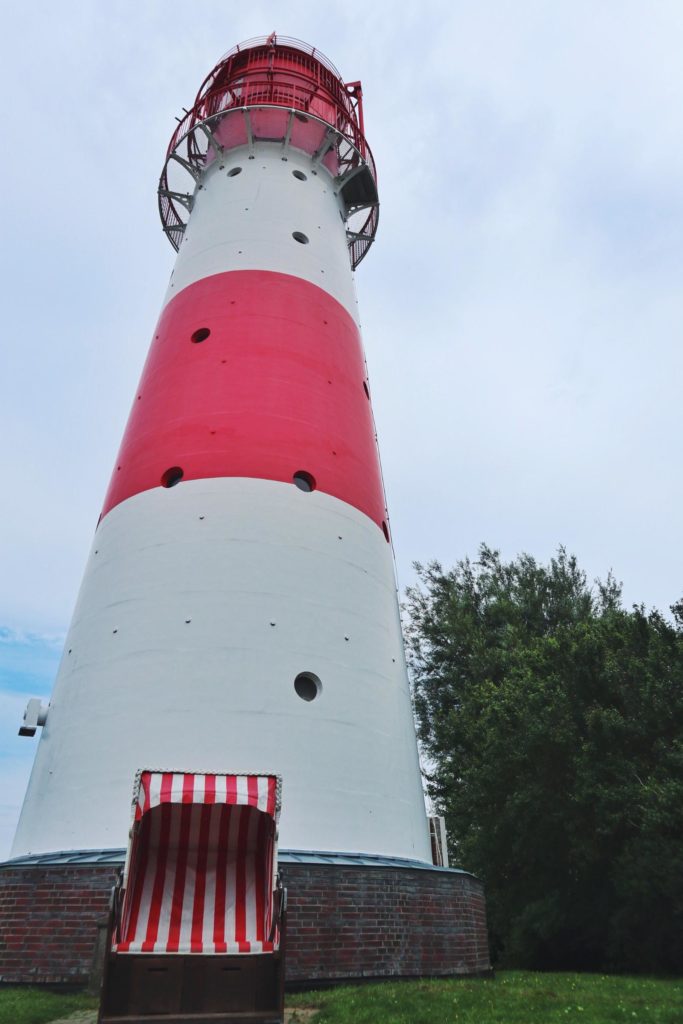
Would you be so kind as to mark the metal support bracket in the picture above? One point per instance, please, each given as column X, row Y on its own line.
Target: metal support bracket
column 344, row 179
column 358, row 236
column 184, row 198
column 250, row 133
column 186, row 165
column 172, row 229
column 358, row 207
column 216, row 146
column 324, row 146
column 288, row 133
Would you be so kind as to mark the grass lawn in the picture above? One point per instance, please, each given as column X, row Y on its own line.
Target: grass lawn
column 35, row 1006
column 512, row 997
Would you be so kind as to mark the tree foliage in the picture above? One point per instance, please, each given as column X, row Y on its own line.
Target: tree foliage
column 551, row 719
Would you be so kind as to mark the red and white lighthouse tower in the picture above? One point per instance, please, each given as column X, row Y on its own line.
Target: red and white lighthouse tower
column 239, row 608
column 239, row 604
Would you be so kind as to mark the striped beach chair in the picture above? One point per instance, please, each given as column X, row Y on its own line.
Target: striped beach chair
column 197, row 921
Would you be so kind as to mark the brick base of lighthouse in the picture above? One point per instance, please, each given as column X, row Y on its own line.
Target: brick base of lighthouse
column 381, row 921
column 372, row 918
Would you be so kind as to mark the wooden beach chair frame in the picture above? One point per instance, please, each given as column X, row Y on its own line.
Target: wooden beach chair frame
column 198, row 916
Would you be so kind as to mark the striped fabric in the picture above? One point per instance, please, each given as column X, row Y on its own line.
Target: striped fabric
column 155, row 788
column 200, row 865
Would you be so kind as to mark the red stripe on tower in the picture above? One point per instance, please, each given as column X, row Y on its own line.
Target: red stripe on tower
column 253, row 374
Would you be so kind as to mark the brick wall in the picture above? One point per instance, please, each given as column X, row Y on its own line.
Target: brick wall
column 48, row 922
column 344, row 922
column 355, row 922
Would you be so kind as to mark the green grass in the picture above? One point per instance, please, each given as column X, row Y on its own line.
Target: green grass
column 512, row 997
column 35, row 1006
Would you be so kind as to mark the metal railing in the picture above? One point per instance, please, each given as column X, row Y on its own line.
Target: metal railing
column 193, row 139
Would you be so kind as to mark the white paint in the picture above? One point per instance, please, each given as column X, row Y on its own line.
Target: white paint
column 246, row 222
column 139, row 685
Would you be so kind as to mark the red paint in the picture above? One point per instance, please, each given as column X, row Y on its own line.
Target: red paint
column 262, row 880
column 309, row 136
column 220, row 944
column 135, row 884
column 241, row 880
column 155, row 909
column 166, row 786
column 197, row 943
column 280, row 72
column 179, row 885
column 276, row 388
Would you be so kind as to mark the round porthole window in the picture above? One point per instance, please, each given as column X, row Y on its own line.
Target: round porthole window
column 234, row 171
column 300, row 176
column 300, row 237
column 304, row 481
column 172, row 477
column 200, row 335
column 307, row 686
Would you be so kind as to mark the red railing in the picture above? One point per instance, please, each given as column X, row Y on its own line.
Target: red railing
column 283, row 71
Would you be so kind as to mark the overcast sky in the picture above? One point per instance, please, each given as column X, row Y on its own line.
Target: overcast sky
column 521, row 308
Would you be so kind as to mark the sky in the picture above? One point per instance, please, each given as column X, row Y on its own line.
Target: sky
column 521, row 308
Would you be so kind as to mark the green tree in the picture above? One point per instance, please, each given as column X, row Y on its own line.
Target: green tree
column 551, row 719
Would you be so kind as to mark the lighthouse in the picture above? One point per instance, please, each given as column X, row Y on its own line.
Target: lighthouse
column 239, row 606
column 238, row 610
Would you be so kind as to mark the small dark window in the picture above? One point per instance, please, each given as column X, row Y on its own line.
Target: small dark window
column 172, row 477
column 234, row 171
column 304, row 481
column 307, row 686
column 300, row 175
column 299, row 236
column 385, row 531
column 200, row 335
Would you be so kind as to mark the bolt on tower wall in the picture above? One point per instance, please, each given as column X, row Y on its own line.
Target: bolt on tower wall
column 239, row 609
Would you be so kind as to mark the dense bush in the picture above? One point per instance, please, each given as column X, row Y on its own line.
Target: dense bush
column 551, row 719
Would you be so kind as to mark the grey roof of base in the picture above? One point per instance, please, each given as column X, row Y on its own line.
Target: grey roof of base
column 60, row 857
column 117, row 856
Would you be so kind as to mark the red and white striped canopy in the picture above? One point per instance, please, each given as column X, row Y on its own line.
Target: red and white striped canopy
column 155, row 788
column 200, row 869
